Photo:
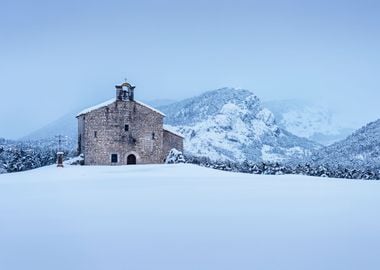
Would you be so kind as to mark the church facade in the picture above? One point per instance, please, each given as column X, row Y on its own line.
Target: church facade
column 124, row 131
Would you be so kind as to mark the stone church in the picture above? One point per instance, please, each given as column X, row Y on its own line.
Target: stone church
column 124, row 131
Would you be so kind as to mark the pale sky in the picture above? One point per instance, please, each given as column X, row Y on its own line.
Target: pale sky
column 57, row 56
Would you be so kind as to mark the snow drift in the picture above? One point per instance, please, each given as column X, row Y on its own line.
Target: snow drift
column 185, row 217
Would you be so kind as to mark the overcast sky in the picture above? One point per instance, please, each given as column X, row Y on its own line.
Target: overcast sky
column 57, row 56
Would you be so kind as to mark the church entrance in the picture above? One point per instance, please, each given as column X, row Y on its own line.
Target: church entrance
column 131, row 159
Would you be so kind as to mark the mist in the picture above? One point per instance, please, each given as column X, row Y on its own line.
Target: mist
column 59, row 57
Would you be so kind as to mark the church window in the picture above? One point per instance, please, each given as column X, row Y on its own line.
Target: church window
column 114, row 158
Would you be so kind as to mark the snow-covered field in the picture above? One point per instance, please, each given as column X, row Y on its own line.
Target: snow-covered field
column 185, row 217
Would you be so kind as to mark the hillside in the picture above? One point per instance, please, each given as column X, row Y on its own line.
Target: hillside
column 67, row 125
column 361, row 149
column 231, row 124
column 185, row 217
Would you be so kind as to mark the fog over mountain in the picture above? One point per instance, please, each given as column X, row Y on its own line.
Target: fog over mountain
column 311, row 120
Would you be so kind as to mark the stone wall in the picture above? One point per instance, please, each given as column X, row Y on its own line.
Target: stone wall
column 103, row 133
column 81, row 132
column 171, row 140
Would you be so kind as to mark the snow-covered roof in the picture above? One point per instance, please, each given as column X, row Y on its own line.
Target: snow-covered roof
column 170, row 129
column 149, row 107
column 93, row 108
column 109, row 102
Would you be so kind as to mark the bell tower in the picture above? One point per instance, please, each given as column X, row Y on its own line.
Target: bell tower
column 123, row 94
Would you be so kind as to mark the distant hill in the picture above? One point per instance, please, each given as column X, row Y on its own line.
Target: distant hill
column 309, row 120
column 361, row 149
column 65, row 125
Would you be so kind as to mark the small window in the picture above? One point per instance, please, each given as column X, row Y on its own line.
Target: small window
column 126, row 128
column 95, row 134
column 80, row 144
column 153, row 136
column 114, row 158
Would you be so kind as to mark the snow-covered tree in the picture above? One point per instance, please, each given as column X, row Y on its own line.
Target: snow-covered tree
column 174, row 157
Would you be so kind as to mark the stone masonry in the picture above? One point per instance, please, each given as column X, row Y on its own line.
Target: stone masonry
column 172, row 140
column 124, row 131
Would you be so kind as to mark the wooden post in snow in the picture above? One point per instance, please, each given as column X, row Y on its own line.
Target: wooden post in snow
column 60, row 159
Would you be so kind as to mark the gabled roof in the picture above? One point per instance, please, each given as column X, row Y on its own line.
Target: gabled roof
column 170, row 129
column 109, row 102
column 149, row 107
column 93, row 108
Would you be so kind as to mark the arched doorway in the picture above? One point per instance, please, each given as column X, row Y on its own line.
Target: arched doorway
column 131, row 159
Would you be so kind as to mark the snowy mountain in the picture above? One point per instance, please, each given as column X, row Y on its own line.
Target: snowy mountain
column 231, row 124
column 306, row 119
column 360, row 150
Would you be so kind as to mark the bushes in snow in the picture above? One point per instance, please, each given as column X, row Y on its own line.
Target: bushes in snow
column 22, row 156
column 274, row 168
column 175, row 156
column 79, row 160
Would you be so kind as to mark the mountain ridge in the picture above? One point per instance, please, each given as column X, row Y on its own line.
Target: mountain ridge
column 231, row 124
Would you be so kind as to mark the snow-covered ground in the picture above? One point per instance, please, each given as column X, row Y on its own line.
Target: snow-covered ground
column 185, row 217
